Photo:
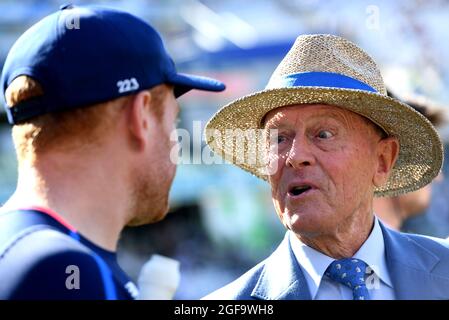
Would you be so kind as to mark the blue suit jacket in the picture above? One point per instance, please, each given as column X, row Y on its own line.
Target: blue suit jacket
column 418, row 267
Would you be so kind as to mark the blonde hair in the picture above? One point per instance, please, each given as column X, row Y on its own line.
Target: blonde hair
column 65, row 130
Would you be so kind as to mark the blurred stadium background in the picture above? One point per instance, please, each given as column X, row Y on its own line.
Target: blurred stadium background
column 222, row 221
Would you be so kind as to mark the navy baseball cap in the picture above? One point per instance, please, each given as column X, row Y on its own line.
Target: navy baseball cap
column 82, row 55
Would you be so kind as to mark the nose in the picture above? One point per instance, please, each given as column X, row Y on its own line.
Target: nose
column 300, row 153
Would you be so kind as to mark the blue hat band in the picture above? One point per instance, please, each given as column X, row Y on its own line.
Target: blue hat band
column 320, row 79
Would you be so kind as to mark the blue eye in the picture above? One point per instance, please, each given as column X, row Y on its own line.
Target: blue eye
column 276, row 139
column 324, row 134
column 280, row 139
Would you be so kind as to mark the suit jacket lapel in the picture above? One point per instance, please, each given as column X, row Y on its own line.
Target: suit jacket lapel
column 410, row 266
column 282, row 277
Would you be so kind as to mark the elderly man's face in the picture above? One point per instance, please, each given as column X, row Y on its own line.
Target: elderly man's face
column 328, row 161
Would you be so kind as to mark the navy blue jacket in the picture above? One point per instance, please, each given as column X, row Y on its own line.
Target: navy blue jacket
column 41, row 258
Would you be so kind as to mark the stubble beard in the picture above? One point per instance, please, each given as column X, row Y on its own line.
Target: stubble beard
column 149, row 202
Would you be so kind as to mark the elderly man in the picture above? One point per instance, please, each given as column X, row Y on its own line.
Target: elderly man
column 334, row 141
column 91, row 93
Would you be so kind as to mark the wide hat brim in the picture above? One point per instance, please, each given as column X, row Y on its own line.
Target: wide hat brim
column 421, row 151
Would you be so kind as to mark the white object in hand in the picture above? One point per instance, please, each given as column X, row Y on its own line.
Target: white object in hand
column 159, row 278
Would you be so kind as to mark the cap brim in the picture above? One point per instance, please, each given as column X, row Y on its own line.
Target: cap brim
column 186, row 82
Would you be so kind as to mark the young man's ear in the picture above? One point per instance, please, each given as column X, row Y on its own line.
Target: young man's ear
column 139, row 119
column 387, row 154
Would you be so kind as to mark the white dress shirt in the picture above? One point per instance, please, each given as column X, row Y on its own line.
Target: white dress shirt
column 314, row 263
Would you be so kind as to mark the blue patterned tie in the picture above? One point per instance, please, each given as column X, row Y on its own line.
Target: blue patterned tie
column 351, row 273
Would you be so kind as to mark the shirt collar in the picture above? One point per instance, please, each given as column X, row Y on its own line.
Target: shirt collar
column 373, row 253
column 315, row 263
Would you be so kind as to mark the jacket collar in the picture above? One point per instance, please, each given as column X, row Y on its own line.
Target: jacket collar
column 411, row 267
column 282, row 277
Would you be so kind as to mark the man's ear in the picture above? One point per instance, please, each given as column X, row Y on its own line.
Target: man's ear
column 387, row 154
column 139, row 120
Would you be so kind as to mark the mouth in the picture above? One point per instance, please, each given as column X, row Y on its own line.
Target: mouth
column 299, row 190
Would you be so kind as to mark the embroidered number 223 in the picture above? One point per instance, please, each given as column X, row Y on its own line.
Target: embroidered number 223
column 127, row 85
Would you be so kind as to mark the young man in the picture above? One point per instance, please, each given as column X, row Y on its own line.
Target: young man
column 91, row 93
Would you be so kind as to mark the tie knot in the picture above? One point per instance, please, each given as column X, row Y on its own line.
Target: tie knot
column 349, row 272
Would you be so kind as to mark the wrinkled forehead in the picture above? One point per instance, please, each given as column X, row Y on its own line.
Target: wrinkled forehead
column 305, row 111
column 290, row 114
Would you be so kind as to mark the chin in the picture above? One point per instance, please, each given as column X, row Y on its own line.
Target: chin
column 306, row 224
column 160, row 216
column 147, row 219
column 149, row 215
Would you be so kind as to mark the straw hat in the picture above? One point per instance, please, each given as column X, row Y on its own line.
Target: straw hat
column 327, row 69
